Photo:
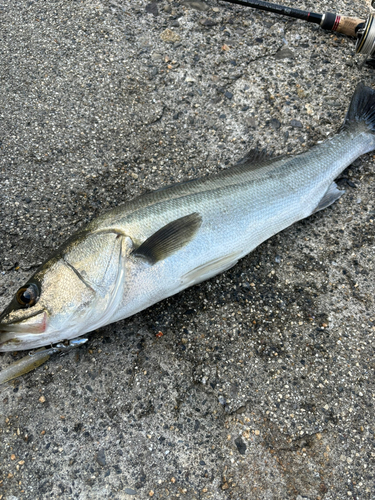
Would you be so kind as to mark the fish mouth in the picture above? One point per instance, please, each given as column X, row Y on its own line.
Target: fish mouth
column 14, row 332
column 34, row 323
column 9, row 344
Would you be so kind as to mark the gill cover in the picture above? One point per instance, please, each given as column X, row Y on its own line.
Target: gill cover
column 75, row 291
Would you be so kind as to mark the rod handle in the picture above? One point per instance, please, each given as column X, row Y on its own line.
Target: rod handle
column 348, row 25
column 342, row 24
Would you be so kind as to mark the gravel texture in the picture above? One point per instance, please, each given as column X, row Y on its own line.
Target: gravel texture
column 261, row 382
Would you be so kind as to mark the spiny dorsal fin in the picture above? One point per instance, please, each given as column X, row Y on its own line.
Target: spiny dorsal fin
column 256, row 156
column 169, row 238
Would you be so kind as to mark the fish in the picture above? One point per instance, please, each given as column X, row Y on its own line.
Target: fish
column 160, row 243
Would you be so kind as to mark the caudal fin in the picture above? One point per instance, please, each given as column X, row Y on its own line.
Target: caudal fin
column 361, row 109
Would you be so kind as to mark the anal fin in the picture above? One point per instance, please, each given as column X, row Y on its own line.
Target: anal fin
column 332, row 194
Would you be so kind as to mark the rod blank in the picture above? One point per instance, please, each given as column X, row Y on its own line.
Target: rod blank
column 329, row 21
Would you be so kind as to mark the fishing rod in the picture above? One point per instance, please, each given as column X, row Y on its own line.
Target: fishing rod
column 362, row 29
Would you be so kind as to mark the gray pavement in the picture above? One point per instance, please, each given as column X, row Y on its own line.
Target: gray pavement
column 261, row 385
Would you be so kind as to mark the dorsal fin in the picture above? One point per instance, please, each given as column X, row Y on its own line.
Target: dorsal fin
column 256, row 159
column 248, row 168
column 255, row 155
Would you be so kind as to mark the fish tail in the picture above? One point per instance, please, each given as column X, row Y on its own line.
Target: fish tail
column 361, row 112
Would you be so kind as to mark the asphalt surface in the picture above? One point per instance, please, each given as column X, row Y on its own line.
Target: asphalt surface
column 261, row 385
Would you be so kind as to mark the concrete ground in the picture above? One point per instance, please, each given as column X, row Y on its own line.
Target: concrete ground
column 262, row 384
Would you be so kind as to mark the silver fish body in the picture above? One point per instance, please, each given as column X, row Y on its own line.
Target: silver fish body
column 239, row 211
column 161, row 243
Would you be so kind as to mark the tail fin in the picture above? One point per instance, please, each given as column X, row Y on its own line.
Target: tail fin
column 361, row 109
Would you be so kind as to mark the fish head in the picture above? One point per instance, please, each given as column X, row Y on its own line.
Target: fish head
column 75, row 291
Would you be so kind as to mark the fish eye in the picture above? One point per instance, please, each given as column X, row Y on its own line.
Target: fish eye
column 28, row 295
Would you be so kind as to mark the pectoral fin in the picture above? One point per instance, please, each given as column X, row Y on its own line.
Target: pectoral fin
column 332, row 195
column 169, row 239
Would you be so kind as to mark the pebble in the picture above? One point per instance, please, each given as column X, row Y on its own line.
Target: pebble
column 275, row 123
column 228, row 94
column 207, row 22
column 100, row 457
column 130, row 491
column 241, row 409
column 241, row 445
column 170, row 36
column 196, row 5
column 284, row 54
column 152, row 8
column 156, row 56
column 296, row 123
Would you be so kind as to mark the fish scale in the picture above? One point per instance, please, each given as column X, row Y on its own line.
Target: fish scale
column 283, row 190
column 158, row 244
